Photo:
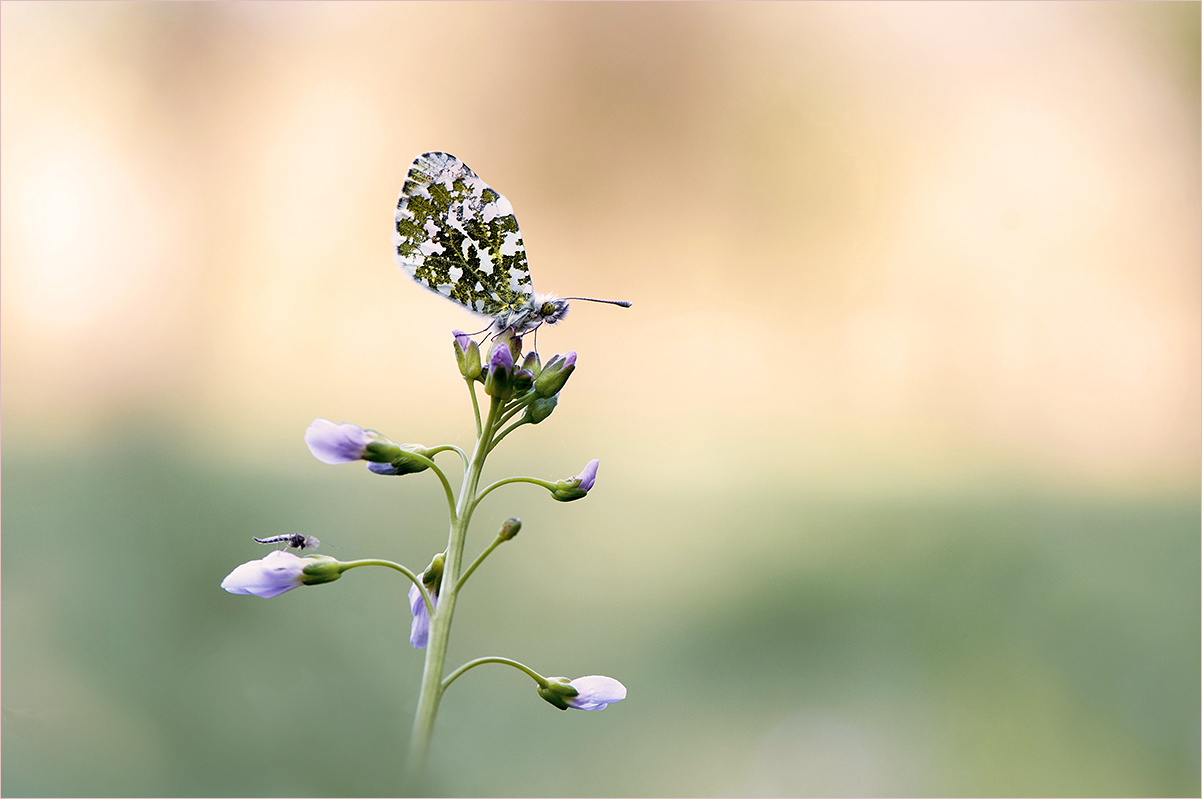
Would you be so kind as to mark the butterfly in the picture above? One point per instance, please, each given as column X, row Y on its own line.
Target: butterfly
column 458, row 237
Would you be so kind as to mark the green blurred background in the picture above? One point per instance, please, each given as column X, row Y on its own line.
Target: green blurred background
column 899, row 490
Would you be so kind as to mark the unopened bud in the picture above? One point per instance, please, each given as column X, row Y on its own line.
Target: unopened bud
column 509, row 529
column 540, row 409
column 555, row 374
column 432, row 576
column 578, row 486
column 467, row 355
column 509, row 340
column 521, row 382
column 500, row 370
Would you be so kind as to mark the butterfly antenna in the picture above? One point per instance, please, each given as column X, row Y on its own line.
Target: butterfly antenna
column 622, row 303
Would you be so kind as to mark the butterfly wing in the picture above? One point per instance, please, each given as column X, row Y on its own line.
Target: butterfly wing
column 456, row 236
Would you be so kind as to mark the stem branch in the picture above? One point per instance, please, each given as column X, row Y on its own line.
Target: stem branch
column 545, row 484
column 351, row 564
column 471, row 664
column 479, row 559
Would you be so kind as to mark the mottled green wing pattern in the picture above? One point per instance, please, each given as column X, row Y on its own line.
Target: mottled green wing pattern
column 456, row 236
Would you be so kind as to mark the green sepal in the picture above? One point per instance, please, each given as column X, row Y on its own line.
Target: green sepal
column 532, row 363
column 568, row 490
column 557, row 691
column 322, row 569
column 540, row 409
column 410, row 459
column 380, row 449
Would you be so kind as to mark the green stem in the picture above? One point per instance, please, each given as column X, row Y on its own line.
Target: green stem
column 471, row 387
column 534, row 480
column 479, row 559
column 440, row 620
column 517, row 404
column 471, row 664
column 351, row 564
column 450, row 448
column 508, row 430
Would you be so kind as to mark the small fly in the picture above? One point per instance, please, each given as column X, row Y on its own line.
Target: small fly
column 293, row 541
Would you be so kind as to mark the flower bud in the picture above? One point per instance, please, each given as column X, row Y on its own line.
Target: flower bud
column 507, row 338
column 432, row 576
column 595, row 692
column 522, row 381
column 532, row 363
column 467, row 355
column 336, row 443
column 343, row 443
column 320, row 569
column 279, row 572
column 540, row 409
column 500, row 370
column 419, row 630
column 578, row 486
column 555, row 374
column 269, row 577
column 509, row 529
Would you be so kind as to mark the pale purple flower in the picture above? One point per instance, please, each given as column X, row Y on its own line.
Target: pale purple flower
column 462, row 340
column 337, row 443
column 589, row 475
column 280, row 571
column 595, row 692
column 419, row 633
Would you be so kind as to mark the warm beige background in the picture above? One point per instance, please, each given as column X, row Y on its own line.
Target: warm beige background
column 877, row 252
column 913, row 238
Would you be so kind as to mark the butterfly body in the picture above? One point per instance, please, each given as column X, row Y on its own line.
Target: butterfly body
column 458, row 237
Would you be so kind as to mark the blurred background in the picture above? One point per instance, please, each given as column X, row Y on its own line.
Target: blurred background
column 899, row 486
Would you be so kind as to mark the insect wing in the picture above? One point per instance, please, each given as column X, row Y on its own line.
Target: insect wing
column 456, row 236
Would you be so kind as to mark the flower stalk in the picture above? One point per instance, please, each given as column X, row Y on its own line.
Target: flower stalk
column 519, row 391
column 440, row 620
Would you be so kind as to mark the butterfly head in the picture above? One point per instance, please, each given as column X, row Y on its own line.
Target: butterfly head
column 549, row 309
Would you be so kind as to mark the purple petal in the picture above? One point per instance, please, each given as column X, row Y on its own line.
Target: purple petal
column 461, row 339
column 595, row 692
column 419, row 632
column 501, row 358
column 273, row 575
column 336, row 443
column 589, row 475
